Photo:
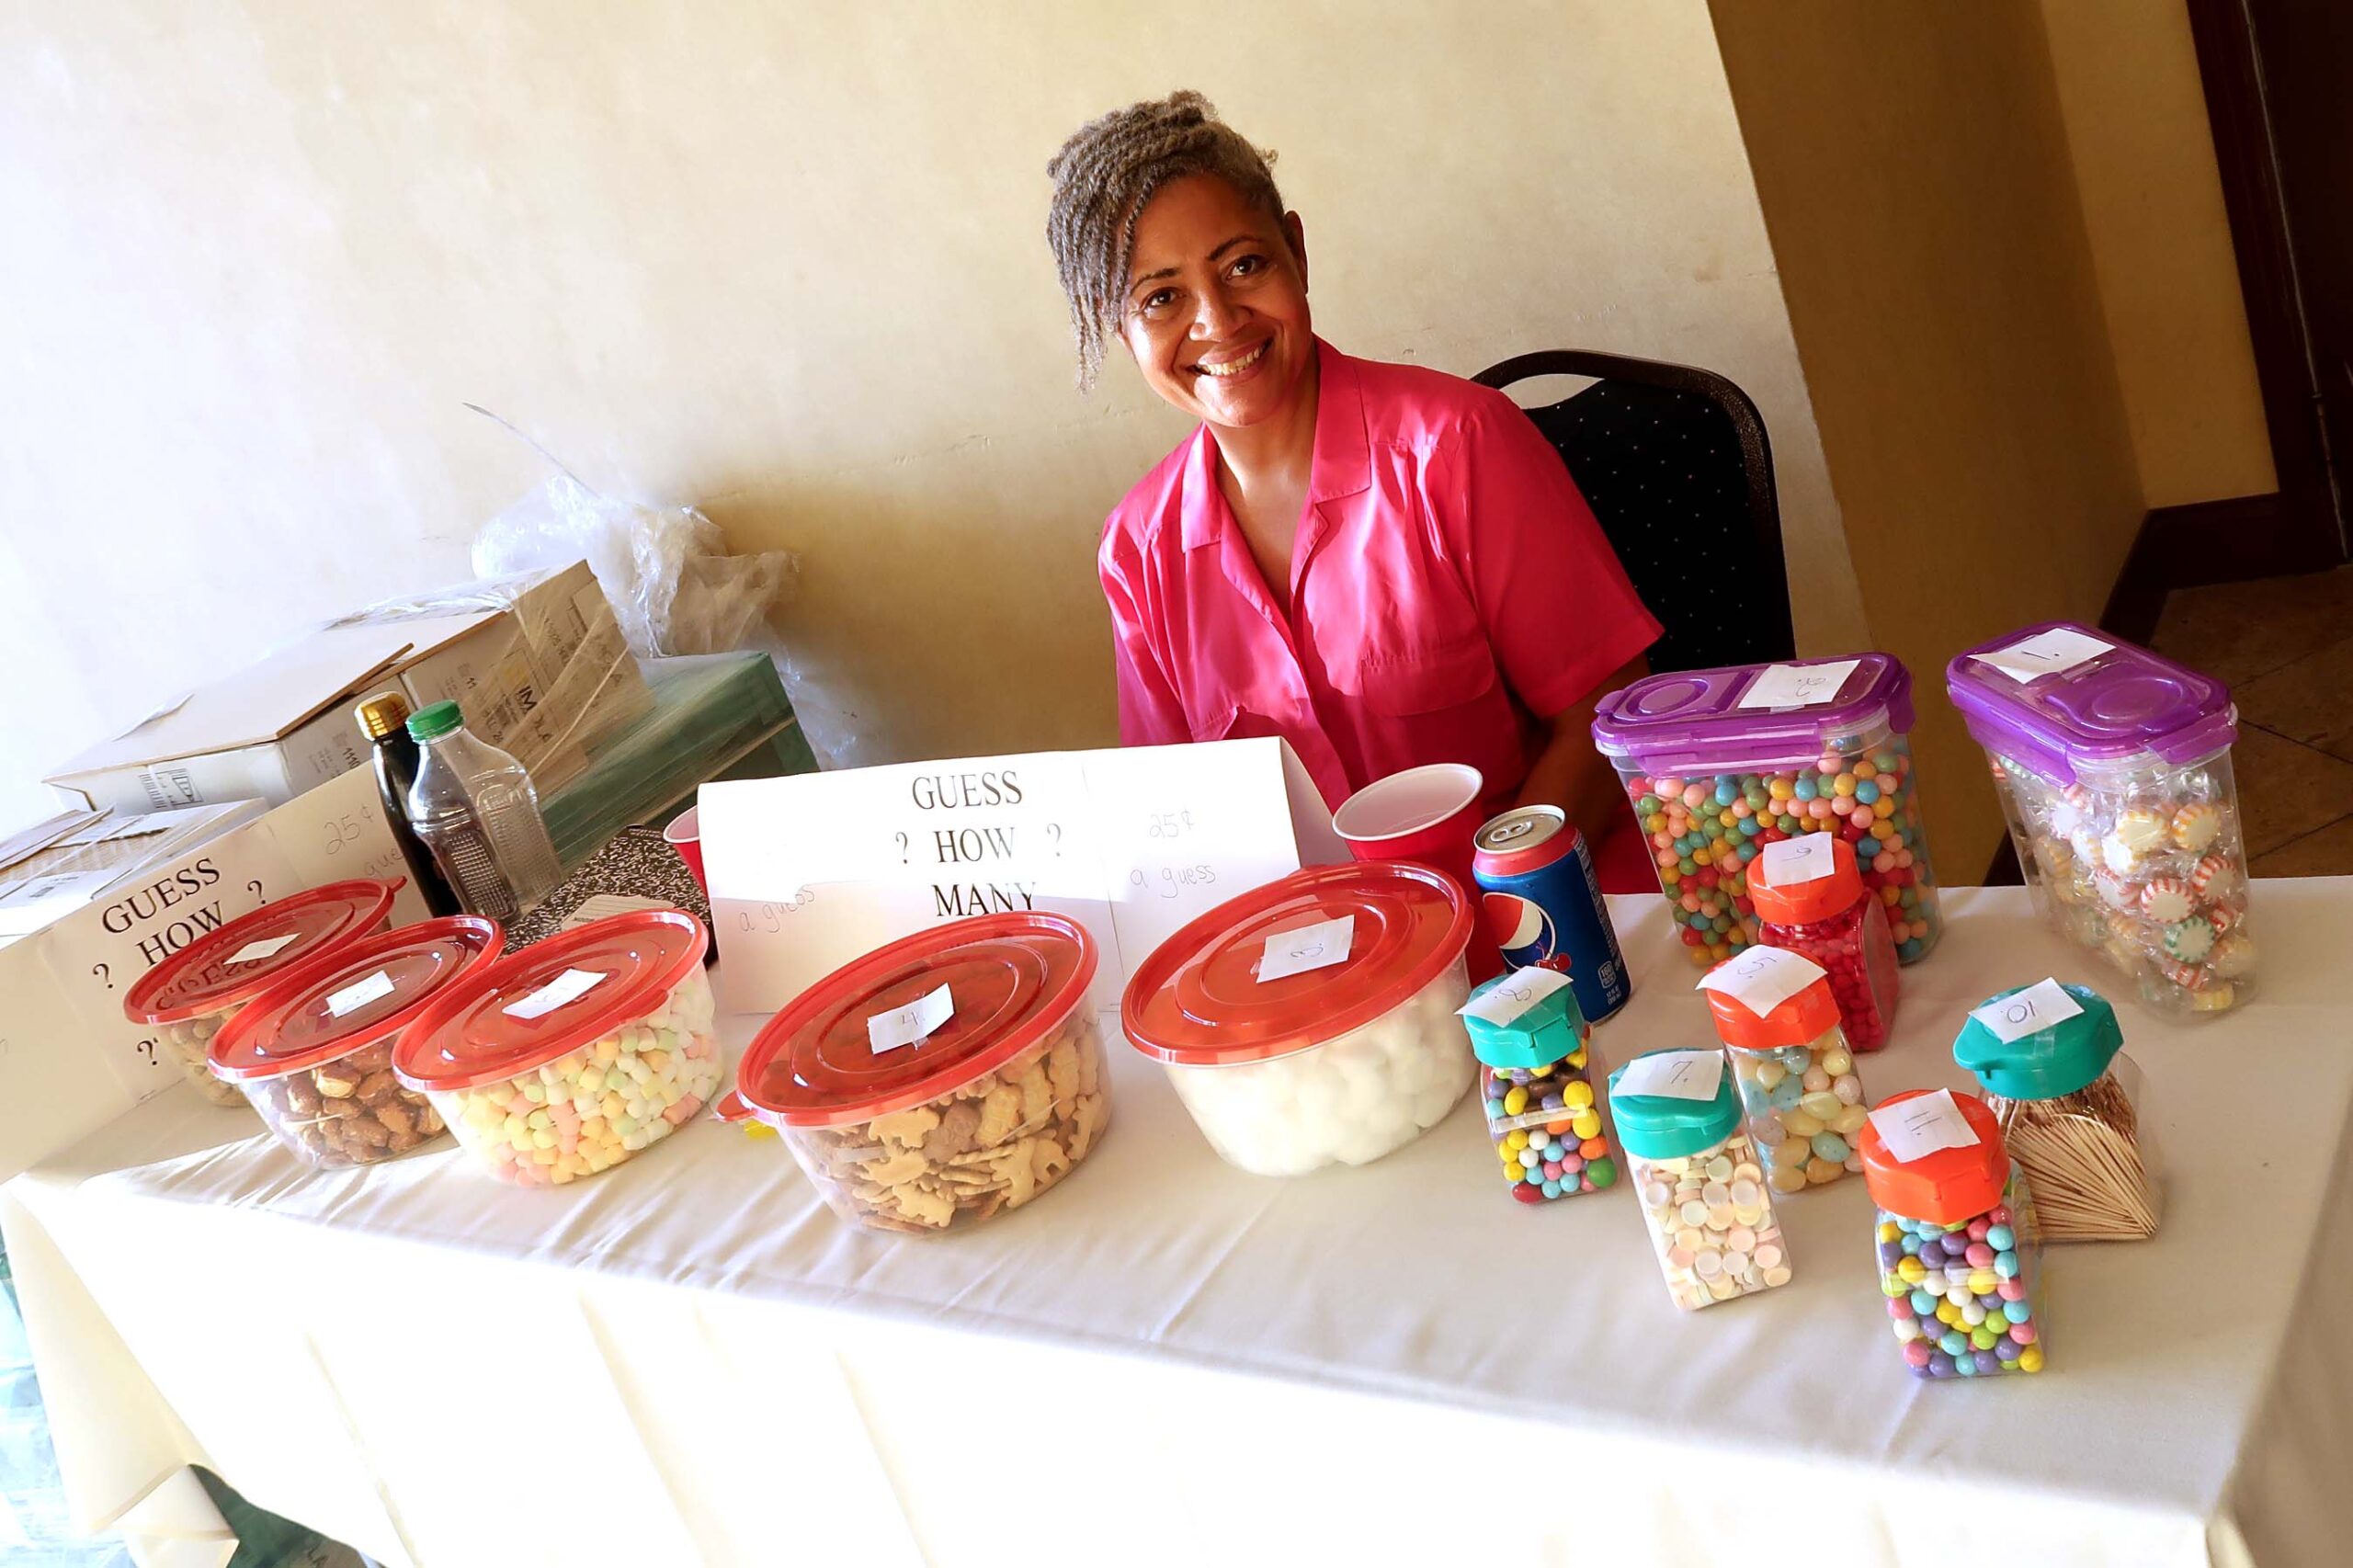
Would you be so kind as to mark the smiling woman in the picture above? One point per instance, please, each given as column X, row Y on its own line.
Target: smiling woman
column 1385, row 565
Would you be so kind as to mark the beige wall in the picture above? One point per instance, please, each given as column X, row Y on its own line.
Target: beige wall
column 2144, row 158
column 783, row 261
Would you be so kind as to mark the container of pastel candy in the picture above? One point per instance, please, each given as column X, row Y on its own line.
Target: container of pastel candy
column 1792, row 1064
column 574, row 1054
column 936, row 1082
column 2113, row 766
column 315, row 1053
column 1314, row 1021
column 1721, row 763
column 191, row 995
column 1695, row 1169
column 1537, row 1072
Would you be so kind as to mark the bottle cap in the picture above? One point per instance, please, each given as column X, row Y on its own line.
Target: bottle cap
column 2069, row 1055
column 1802, row 904
column 435, row 722
column 381, row 714
column 1668, row 1127
column 1802, row 1019
column 1947, row 1185
column 1541, row 1034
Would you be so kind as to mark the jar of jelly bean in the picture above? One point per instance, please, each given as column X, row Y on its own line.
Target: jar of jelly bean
column 1536, row 1074
column 1957, row 1250
column 1695, row 1173
column 1816, row 904
column 1798, row 1085
column 2067, row 1098
column 1719, row 763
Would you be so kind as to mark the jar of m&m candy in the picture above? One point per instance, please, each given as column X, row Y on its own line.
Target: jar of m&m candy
column 1719, row 763
column 1693, row 1167
column 1809, row 899
column 1957, row 1243
column 1797, row 1080
column 1536, row 1072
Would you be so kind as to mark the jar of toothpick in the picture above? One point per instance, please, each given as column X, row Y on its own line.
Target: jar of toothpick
column 2066, row 1097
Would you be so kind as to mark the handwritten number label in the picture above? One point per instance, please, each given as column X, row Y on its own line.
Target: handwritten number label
column 2050, row 653
column 2038, row 1007
column 1916, row 1128
column 918, row 1020
column 267, row 948
column 1674, row 1074
column 569, row 986
column 1761, row 979
column 1798, row 685
column 1319, row 946
column 1512, row 995
column 1806, row 858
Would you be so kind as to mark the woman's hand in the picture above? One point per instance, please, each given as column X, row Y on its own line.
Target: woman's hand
column 1572, row 775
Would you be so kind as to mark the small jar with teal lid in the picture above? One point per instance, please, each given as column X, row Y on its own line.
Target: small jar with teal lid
column 2067, row 1098
column 1696, row 1171
column 1536, row 1078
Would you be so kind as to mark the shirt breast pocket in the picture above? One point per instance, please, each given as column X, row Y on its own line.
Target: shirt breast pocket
column 1452, row 675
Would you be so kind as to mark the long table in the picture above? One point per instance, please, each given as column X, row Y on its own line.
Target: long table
column 690, row 1360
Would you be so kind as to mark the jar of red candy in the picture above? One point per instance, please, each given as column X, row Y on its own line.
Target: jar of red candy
column 1809, row 899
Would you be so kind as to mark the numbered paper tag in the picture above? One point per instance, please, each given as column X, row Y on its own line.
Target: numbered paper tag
column 2046, row 653
column 1807, row 858
column 919, row 1019
column 2029, row 1011
column 569, row 986
column 1918, row 1128
column 1798, row 685
column 1512, row 994
column 267, row 948
column 355, row 997
column 1310, row 946
column 1676, row 1074
column 1761, row 979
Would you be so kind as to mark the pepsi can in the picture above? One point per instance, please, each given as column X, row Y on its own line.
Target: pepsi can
column 1543, row 904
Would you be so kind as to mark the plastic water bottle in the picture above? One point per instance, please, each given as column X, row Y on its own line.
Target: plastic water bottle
column 475, row 809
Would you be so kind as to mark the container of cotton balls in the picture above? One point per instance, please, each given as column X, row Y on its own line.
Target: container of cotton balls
column 1312, row 1021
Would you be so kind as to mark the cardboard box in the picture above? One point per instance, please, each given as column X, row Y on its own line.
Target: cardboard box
column 97, row 852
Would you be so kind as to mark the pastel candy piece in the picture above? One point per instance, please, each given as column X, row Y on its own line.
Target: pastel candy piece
column 2197, row 825
column 2233, row 956
column 2139, row 830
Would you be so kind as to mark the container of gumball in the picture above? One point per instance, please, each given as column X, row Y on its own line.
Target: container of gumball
column 1797, row 1080
column 1312, row 1021
column 2113, row 765
column 1956, row 1244
column 1694, row 1168
column 1721, row 763
column 1535, row 1079
column 1809, row 899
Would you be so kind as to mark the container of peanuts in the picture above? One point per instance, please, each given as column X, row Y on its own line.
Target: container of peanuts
column 1792, row 1064
column 1721, row 763
column 1695, row 1170
column 188, row 997
column 1956, row 1242
column 1314, row 1021
column 2050, row 1060
column 2113, row 766
column 1809, row 899
column 574, row 1054
column 1536, row 1078
column 949, row 1077
column 315, row 1053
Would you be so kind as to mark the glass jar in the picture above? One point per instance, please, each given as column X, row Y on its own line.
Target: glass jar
column 1695, row 1173
column 1956, row 1244
column 1816, row 904
column 1536, row 1072
column 1798, row 1085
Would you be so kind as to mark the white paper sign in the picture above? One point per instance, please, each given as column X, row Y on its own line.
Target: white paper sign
column 2045, row 653
column 1512, row 994
column 267, row 948
column 353, row 997
column 1806, row 858
column 1319, row 946
column 569, row 986
column 2027, row 1012
column 1678, row 1074
column 919, row 1019
column 1917, row 1128
column 1761, row 979
column 1798, row 685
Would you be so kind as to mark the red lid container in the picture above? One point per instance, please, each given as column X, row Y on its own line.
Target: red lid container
column 1198, row 1000
column 1804, row 904
column 1948, row 1186
column 208, row 976
column 351, row 998
column 1801, row 1019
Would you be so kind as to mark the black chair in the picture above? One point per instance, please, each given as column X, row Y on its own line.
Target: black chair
column 1675, row 464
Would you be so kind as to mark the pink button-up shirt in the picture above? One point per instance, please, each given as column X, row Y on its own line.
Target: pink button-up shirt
column 1449, row 589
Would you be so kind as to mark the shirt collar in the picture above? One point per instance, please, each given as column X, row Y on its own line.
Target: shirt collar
column 1342, row 464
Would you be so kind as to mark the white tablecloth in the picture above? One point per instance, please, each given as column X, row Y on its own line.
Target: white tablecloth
column 690, row 1360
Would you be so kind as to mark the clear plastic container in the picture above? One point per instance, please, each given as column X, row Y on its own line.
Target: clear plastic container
column 188, row 997
column 939, row 1082
column 1536, row 1078
column 1695, row 1173
column 574, row 1054
column 1352, row 1055
column 474, row 807
column 315, row 1053
column 1798, row 1084
column 1821, row 909
column 2114, row 772
column 1719, row 763
column 2067, row 1099
column 1958, row 1249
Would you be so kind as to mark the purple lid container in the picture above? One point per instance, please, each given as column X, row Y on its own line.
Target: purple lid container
column 1691, row 721
column 2121, row 710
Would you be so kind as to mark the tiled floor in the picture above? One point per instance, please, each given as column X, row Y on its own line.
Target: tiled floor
column 2285, row 645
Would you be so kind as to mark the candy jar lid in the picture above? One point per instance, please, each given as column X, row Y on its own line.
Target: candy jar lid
column 564, row 992
column 1801, row 1018
column 2057, row 1060
column 1547, row 1030
column 231, row 966
column 351, row 998
column 1665, row 1126
column 2104, row 706
column 1198, row 1000
column 1011, row 981
column 1804, row 903
column 1704, row 721
column 1947, row 1185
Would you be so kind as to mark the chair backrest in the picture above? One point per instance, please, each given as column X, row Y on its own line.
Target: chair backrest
column 1674, row 465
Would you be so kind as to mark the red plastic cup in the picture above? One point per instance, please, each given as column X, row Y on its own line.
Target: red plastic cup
column 685, row 835
column 1428, row 815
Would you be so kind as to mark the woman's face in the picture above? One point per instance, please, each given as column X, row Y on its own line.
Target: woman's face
column 1216, row 308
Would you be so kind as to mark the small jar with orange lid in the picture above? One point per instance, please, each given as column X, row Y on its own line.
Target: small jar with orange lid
column 1958, row 1249
column 1792, row 1062
column 1809, row 899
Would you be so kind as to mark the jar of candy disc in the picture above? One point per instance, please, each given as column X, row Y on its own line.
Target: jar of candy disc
column 1811, row 899
column 1796, row 1076
column 1536, row 1074
column 1694, row 1168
